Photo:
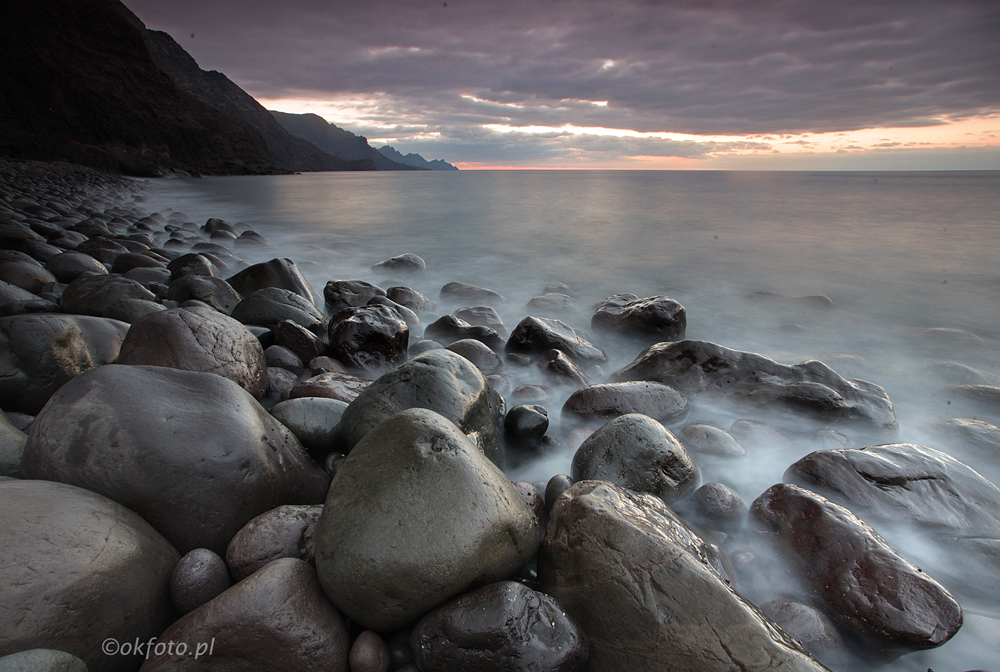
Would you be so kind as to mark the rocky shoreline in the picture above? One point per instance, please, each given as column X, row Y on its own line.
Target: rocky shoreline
column 208, row 464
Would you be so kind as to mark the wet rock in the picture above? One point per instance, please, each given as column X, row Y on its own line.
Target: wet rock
column 986, row 396
column 422, row 346
column 537, row 334
column 172, row 445
column 466, row 523
column 482, row 316
column 216, row 292
column 409, row 297
column 476, row 352
column 369, row 338
column 68, row 266
column 249, row 237
column 853, row 575
column 313, row 420
column 10, row 293
column 441, row 381
column 92, row 294
column 197, row 340
column 553, row 303
column 904, row 483
column 719, row 507
column 277, row 273
column 531, row 393
column 288, row 531
column 706, row 439
column 648, row 593
column 200, row 576
column 102, row 249
column 533, row 498
column 12, row 441
column 655, row 317
column 608, row 400
column 369, row 653
column 280, row 381
column 500, row 627
column 191, row 264
column 962, row 374
column 79, row 569
column 524, row 426
column 500, row 383
column 214, row 225
column 331, row 385
column 343, row 294
column 831, row 439
column 459, row 292
column 636, row 452
column 277, row 619
column 410, row 317
column 39, row 353
column 124, row 263
column 282, row 358
column 42, row 660
column 266, row 307
column 563, row 370
column 298, row 339
column 556, row 486
column 449, row 328
column 755, row 434
column 405, row 264
column 131, row 310
column 975, row 441
column 701, row 367
column 809, row 627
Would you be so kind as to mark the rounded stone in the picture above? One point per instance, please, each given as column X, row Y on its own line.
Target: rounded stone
column 131, row 310
column 216, row 292
column 636, row 452
column 313, row 420
column 200, row 576
column 27, row 275
column 658, row 317
column 287, row 531
column 68, row 266
column 369, row 653
column 369, row 338
column 720, row 507
column 270, row 305
column 343, row 294
column 524, row 426
column 408, row 264
column 607, row 400
column 701, row 437
column 556, row 486
column 535, row 335
column 42, row 660
column 478, row 353
column 809, row 626
column 92, row 294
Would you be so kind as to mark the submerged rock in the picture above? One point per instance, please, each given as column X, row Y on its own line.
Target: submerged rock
column 369, row 338
column 701, row 437
column 648, row 593
column 280, row 273
column 657, row 317
column 416, row 515
column 608, row 400
column 535, row 335
column 450, row 328
column 812, row 387
column 463, row 293
column 407, row 264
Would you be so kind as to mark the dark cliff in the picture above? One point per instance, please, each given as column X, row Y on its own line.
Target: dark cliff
column 335, row 140
column 215, row 89
column 415, row 159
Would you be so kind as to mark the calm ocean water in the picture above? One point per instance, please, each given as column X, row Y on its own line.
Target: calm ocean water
column 903, row 257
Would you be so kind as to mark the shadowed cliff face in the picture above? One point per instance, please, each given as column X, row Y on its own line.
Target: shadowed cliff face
column 334, row 140
column 79, row 85
column 215, row 89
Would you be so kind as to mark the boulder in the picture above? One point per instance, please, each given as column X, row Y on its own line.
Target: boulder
column 476, row 352
column 370, row 653
column 562, row 370
column 636, row 452
column 498, row 628
column 124, row 263
column 313, row 420
column 197, row 340
column 42, row 660
column 343, row 294
column 449, row 328
column 406, row 264
column 809, row 627
column 890, row 606
column 482, row 316
column 411, row 318
column 656, row 317
column 459, row 292
column 330, row 385
column 68, row 266
column 701, row 367
column 438, row 380
column 13, row 294
column 216, row 292
column 534, row 335
column 266, row 307
column 719, row 507
column 28, row 275
column 277, row 619
column 608, row 400
column 415, row 516
column 409, row 297
column 701, row 437
column 79, row 569
column 298, row 339
column 276, row 356
column 553, row 303
column 191, row 264
column 200, row 576
column 277, row 273
column 39, row 353
column 92, row 294
column 648, row 593
column 12, row 440
column 903, row 483
column 130, row 310
column 288, row 531
column 172, row 445
column 369, row 338
column 524, row 426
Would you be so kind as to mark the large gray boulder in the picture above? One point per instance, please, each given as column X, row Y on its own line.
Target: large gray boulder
column 92, row 294
column 369, row 338
column 277, row 620
column 343, row 294
column 649, row 594
column 39, row 353
column 441, row 381
column 78, row 569
column 270, row 305
column 12, row 442
column 535, row 335
column 811, row 387
column 655, row 317
column 637, row 452
column 192, row 453
column 281, row 273
column 886, row 603
column 42, row 660
column 216, row 292
column 415, row 516
column 608, row 400
column 198, row 340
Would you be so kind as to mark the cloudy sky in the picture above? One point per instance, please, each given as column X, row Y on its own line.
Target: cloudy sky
column 632, row 84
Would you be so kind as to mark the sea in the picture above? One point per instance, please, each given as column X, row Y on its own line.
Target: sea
column 909, row 263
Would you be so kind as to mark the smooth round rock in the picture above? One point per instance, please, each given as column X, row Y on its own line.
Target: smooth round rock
column 92, row 294
column 68, row 266
column 12, row 440
column 216, row 292
column 556, row 486
column 416, row 498
column 409, row 297
column 500, row 627
column 313, row 420
column 191, row 264
column 636, row 452
column 608, row 400
column 173, row 446
column 27, row 275
column 369, row 653
column 369, row 338
column 720, row 507
column 200, row 576
column 809, row 626
column 42, row 660
column 706, row 439
column 460, row 292
column 130, row 310
column 287, row 531
column 270, row 305
column 478, row 353
column 343, row 294
column 407, row 264
column 281, row 273
column 659, row 318
column 482, row 316
column 524, row 426
column 535, row 335
column 330, row 385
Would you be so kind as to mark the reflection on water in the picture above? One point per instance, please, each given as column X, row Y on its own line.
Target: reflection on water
column 897, row 253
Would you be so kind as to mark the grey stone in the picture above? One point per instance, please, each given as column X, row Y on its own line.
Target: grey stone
column 313, row 420
column 266, row 307
column 370, row 338
column 343, row 294
column 42, row 660
column 130, row 310
column 482, row 316
column 92, row 294
column 277, row 273
column 27, row 275
column 701, row 437
column 408, row 264
column 216, row 292
column 172, row 445
column 280, row 357
column 200, row 576
column 608, row 400
column 369, row 653
column 331, row 385
column 655, row 317
column 535, row 335
column 719, row 507
column 409, row 297
column 465, row 523
column 460, row 292
column 12, row 442
column 476, row 352
column 449, row 328
column 68, row 266
column 287, row 531
column 810, row 628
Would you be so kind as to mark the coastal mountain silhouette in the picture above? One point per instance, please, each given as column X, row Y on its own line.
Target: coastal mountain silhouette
column 335, row 140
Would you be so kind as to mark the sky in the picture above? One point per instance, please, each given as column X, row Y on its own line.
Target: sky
column 622, row 84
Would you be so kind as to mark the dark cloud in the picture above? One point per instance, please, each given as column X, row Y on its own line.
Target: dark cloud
column 702, row 67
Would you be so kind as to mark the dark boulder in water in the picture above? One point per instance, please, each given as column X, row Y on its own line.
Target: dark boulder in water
column 810, row 628
column 459, row 292
column 478, row 353
column 172, row 445
column 497, row 628
column 707, row 439
column 811, row 387
column 648, row 593
column 903, row 483
column 216, row 292
column 281, row 273
column 331, row 385
column 482, row 316
column 68, row 266
column 369, row 338
column 856, row 578
column 657, row 317
column 343, row 294
column 406, row 264
column 719, row 507
column 266, row 307
column 524, row 426
column 409, row 297
column 562, row 370
column 608, row 400
column 92, row 294
column 465, row 523
column 535, row 335
column 449, row 328
column 200, row 576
